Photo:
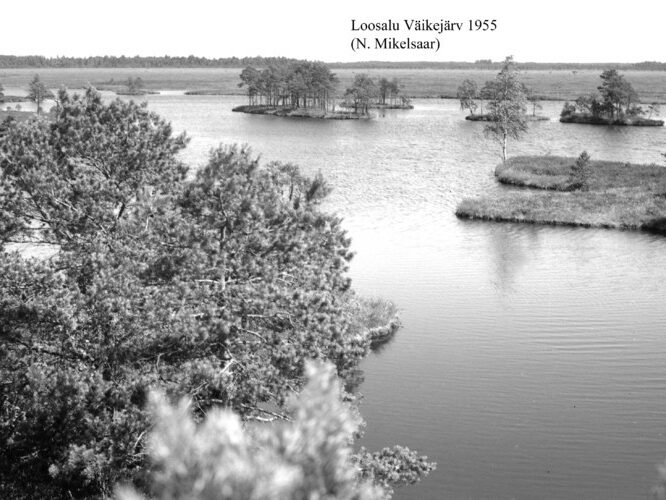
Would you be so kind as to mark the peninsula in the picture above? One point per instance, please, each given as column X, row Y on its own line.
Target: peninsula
column 575, row 192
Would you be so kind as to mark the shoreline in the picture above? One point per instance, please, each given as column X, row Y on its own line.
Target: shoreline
column 484, row 117
column 587, row 119
column 386, row 106
column 318, row 114
column 213, row 92
column 13, row 98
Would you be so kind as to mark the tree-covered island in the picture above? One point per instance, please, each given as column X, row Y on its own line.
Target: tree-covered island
column 37, row 92
column 473, row 98
column 616, row 103
column 308, row 89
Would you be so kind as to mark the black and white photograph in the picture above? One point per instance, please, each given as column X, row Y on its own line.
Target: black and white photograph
column 332, row 251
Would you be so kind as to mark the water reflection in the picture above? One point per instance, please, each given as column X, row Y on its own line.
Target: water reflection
column 512, row 248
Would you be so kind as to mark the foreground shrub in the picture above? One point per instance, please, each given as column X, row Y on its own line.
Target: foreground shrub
column 659, row 490
column 307, row 457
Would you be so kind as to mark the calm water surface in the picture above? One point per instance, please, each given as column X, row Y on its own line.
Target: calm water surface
column 532, row 362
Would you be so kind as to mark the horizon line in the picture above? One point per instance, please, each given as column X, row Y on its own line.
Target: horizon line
column 338, row 62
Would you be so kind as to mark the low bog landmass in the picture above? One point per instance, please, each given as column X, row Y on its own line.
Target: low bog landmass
column 552, row 190
column 555, row 84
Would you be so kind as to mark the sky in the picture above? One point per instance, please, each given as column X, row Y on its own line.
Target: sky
column 562, row 31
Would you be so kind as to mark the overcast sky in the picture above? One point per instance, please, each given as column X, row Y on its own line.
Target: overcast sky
column 557, row 31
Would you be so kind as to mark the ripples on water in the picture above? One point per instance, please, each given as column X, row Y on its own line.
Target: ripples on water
column 531, row 362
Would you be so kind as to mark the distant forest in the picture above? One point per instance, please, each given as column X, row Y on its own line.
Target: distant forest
column 7, row 61
column 136, row 62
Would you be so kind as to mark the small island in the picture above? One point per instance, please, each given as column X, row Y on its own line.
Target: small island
column 305, row 89
column 384, row 95
column 487, row 117
column 38, row 93
column 132, row 87
column 206, row 92
column 404, row 104
column 576, row 192
column 12, row 98
column 625, row 121
column 472, row 98
column 616, row 104
column 296, row 112
column 9, row 98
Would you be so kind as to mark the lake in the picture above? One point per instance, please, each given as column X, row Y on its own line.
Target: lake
column 532, row 360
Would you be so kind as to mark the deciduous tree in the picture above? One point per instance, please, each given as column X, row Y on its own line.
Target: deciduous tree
column 468, row 93
column 506, row 106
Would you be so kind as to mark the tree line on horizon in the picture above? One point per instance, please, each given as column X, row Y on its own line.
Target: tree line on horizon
column 36, row 61
column 191, row 61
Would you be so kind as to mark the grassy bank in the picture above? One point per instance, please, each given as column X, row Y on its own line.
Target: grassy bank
column 12, row 98
column 488, row 118
column 300, row 113
column 391, row 106
column 617, row 195
column 205, row 92
column 134, row 92
column 589, row 119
